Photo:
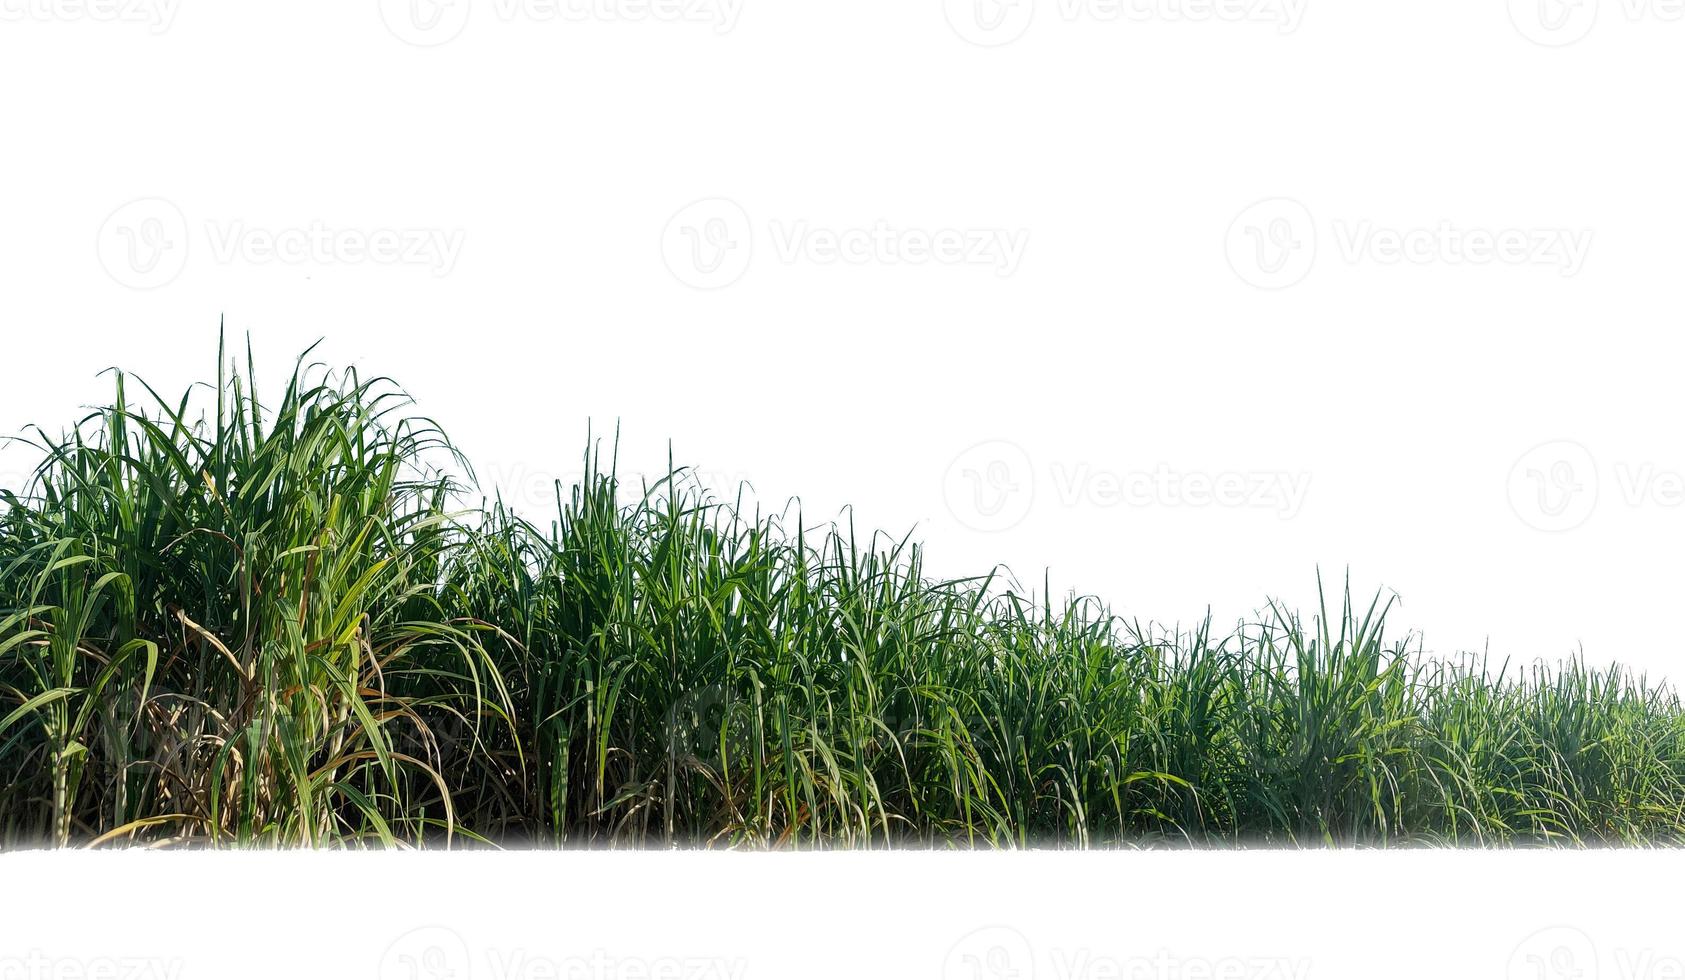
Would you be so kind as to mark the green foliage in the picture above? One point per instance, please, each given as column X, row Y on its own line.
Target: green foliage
column 271, row 626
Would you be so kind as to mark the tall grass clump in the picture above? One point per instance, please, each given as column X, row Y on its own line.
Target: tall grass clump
column 226, row 622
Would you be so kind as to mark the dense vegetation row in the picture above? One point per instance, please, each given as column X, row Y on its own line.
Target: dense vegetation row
column 240, row 624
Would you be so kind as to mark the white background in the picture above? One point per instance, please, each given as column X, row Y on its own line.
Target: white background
column 1159, row 320
column 556, row 150
column 1073, row 916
